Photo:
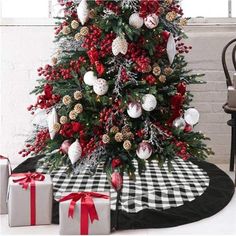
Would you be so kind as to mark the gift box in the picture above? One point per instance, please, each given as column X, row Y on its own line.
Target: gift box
column 234, row 80
column 85, row 213
column 4, row 175
column 232, row 97
column 30, row 199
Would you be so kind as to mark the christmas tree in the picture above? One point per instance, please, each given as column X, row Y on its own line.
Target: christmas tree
column 115, row 91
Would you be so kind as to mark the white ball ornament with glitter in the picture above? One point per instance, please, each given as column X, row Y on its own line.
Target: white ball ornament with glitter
column 192, row 116
column 179, row 123
column 100, row 87
column 90, row 78
column 134, row 110
column 83, row 11
column 149, row 102
column 151, row 21
column 75, row 151
column 144, row 150
column 136, row 21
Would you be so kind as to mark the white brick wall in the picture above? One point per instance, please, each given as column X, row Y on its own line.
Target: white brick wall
column 24, row 49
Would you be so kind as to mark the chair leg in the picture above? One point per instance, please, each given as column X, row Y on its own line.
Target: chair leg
column 233, row 140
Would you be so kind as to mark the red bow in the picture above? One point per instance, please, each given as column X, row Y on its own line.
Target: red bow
column 28, row 179
column 88, row 208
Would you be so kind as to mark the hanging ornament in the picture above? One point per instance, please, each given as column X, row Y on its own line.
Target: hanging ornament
column 136, row 21
column 192, row 116
column 100, row 87
column 151, row 21
column 134, row 110
column 65, row 146
column 188, row 128
column 144, row 150
column 171, row 48
column 149, row 102
column 116, row 181
column 74, row 152
column 52, row 120
column 90, row 78
column 181, row 88
column 179, row 123
column 119, row 45
column 83, row 11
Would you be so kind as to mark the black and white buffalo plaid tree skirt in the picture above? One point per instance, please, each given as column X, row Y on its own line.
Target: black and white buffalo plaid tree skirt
column 155, row 189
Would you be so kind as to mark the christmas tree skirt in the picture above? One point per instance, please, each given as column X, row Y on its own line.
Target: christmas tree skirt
column 193, row 191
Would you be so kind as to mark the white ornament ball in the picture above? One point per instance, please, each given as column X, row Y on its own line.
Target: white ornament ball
column 144, row 150
column 100, row 87
column 90, row 78
column 151, row 21
column 52, row 119
column 134, row 110
column 83, row 11
column 179, row 123
column 136, row 21
column 192, row 116
column 149, row 102
column 74, row 152
column 119, row 45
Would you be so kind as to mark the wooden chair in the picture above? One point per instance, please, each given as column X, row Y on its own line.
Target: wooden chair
column 227, row 109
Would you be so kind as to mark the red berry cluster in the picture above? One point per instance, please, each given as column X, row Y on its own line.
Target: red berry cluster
column 148, row 7
column 49, row 72
column 116, row 162
column 45, row 100
column 92, row 38
column 68, row 130
column 182, row 150
column 39, row 143
column 177, row 8
column 76, row 64
column 142, row 64
column 135, row 52
column 106, row 44
column 124, row 75
column 113, row 7
column 150, row 79
column 89, row 147
column 181, row 47
column 105, row 115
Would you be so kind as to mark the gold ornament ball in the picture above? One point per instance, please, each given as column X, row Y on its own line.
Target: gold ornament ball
column 78, row 108
column 156, row 70
column 114, row 129
column 56, row 127
column 127, row 145
column 66, row 100
column 84, row 31
column 63, row 120
column 78, row 95
column 66, row 30
column 162, row 78
column 74, row 24
column 119, row 137
column 105, row 138
column 78, row 36
column 72, row 115
column 168, row 71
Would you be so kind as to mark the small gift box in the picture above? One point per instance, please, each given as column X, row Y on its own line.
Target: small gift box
column 4, row 175
column 30, row 199
column 232, row 97
column 85, row 213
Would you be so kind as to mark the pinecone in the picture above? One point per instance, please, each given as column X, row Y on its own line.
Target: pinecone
column 72, row 115
column 127, row 145
column 156, row 70
column 125, row 129
column 114, row 129
column 171, row 16
column 66, row 100
column 119, row 137
column 78, row 95
column 74, row 24
column 63, row 120
column 56, row 127
column 84, row 31
column 78, row 108
column 128, row 135
column 78, row 36
column 162, row 78
column 105, row 138
column 66, row 30
column 168, row 71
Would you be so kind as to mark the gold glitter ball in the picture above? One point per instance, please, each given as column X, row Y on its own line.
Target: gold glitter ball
column 84, row 31
column 63, row 120
column 127, row 145
column 66, row 30
column 119, row 137
column 171, row 16
column 78, row 95
column 105, row 138
column 162, row 78
column 72, row 115
column 74, row 24
column 78, row 36
column 114, row 129
column 78, row 108
column 66, row 100
column 56, row 127
column 156, row 70
column 168, row 71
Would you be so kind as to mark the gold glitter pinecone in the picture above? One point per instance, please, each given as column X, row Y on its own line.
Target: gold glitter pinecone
column 171, row 16
column 63, row 120
column 127, row 145
column 105, row 138
column 156, row 70
column 56, row 127
column 84, row 31
column 168, row 71
column 114, row 129
column 74, row 24
column 119, row 137
column 66, row 100
column 66, row 30
column 78, row 95
column 78, row 36
column 72, row 115
column 162, row 78
column 128, row 135
column 78, row 108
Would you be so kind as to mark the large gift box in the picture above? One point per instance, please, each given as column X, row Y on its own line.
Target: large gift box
column 85, row 213
column 30, row 199
column 4, row 175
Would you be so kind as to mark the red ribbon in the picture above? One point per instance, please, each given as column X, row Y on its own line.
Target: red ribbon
column 28, row 179
column 88, row 209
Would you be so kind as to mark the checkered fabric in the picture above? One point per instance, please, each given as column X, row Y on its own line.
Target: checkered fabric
column 155, row 189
